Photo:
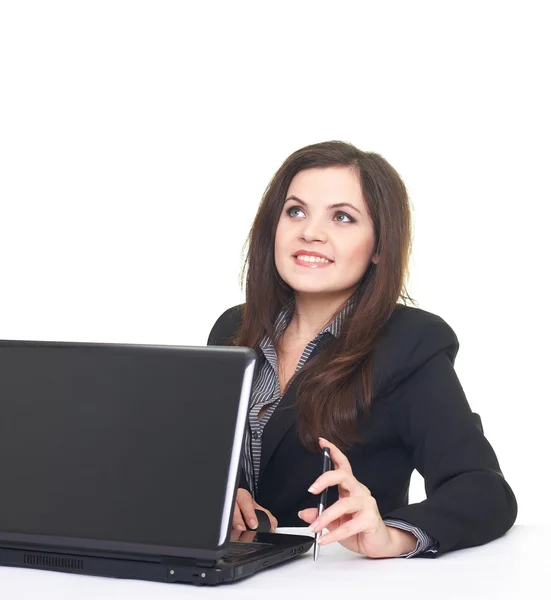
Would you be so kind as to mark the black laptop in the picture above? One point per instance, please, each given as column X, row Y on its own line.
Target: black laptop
column 122, row 461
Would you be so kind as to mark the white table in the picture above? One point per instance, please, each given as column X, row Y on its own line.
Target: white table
column 513, row 567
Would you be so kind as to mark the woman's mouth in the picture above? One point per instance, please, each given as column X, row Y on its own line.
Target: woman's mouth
column 312, row 262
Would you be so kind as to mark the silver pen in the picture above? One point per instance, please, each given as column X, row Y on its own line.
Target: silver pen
column 323, row 500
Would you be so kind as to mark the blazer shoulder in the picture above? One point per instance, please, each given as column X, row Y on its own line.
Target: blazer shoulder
column 226, row 326
column 409, row 339
column 420, row 325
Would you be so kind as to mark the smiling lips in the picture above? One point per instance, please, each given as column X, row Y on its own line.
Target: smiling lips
column 312, row 260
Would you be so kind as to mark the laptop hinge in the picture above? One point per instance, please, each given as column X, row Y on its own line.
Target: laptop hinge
column 203, row 564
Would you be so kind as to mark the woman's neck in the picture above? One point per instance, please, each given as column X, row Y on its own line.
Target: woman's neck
column 312, row 312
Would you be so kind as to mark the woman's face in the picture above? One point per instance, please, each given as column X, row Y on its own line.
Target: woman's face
column 324, row 214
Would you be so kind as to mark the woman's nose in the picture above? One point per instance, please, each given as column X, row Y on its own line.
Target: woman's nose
column 314, row 231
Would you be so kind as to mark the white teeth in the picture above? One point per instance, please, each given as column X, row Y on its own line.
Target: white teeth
column 315, row 259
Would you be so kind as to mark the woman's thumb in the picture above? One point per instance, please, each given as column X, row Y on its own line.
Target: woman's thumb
column 309, row 515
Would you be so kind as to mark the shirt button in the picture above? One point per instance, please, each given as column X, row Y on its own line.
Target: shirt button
column 256, row 435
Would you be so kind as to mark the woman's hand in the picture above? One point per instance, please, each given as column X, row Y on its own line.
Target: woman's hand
column 354, row 520
column 244, row 511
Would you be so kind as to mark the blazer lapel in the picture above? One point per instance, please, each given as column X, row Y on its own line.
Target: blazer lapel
column 285, row 415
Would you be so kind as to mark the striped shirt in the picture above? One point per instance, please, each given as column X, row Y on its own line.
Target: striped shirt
column 266, row 393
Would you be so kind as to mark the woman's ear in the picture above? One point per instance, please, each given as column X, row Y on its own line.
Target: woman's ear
column 375, row 258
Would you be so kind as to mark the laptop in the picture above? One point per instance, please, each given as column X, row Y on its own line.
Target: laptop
column 122, row 461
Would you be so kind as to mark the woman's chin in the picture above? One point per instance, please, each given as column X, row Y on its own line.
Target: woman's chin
column 311, row 288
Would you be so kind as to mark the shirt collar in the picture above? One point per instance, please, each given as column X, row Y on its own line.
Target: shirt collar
column 334, row 327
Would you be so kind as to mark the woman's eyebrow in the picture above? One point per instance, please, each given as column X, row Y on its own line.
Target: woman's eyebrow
column 330, row 207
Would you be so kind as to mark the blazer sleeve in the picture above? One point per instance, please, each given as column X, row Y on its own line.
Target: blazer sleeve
column 219, row 335
column 468, row 502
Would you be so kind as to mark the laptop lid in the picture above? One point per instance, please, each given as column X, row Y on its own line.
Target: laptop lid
column 121, row 448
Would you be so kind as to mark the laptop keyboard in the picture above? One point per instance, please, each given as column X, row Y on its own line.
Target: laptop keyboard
column 237, row 550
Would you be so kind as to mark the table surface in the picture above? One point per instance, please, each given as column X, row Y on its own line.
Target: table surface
column 513, row 566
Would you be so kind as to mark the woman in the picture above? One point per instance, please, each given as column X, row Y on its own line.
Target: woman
column 345, row 365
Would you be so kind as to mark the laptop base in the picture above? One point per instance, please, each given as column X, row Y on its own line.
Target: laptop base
column 273, row 549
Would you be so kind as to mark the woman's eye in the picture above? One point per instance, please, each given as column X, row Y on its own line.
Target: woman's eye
column 343, row 214
column 291, row 210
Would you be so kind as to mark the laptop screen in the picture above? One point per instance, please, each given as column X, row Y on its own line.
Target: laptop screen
column 127, row 444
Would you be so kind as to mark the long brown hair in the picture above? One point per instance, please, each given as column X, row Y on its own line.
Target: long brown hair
column 331, row 382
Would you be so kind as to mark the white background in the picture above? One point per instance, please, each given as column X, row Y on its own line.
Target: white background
column 137, row 137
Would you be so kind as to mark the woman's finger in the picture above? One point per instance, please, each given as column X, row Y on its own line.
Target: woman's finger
column 344, row 506
column 340, row 477
column 308, row 515
column 339, row 459
column 237, row 522
column 344, row 531
column 247, row 506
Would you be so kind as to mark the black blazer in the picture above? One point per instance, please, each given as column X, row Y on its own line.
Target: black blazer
column 420, row 419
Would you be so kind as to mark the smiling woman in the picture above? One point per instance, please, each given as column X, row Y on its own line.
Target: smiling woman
column 369, row 246
column 342, row 356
